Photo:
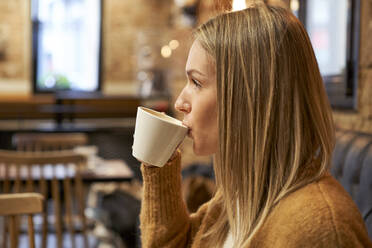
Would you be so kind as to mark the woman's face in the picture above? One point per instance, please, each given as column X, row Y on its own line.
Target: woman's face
column 197, row 101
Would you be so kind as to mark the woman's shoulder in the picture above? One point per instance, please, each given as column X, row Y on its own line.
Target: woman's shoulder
column 325, row 198
column 320, row 212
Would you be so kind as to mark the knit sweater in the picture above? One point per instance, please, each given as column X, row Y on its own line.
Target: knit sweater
column 320, row 214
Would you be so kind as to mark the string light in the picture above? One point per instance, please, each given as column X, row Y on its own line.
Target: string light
column 173, row 44
column 295, row 5
column 239, row 5
column 166, row 51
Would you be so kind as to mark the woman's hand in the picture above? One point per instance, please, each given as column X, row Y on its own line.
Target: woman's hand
column 174, row 155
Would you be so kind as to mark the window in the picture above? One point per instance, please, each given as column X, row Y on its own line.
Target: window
column 66, row 45
column 333, row 28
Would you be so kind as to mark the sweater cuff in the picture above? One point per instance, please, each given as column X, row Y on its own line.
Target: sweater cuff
column 162, row 197
column 171, row 167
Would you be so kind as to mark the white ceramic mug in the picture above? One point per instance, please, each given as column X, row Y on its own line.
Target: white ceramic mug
column 156, row 136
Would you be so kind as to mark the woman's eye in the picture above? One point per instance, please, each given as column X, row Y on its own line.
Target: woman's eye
column 196, row 83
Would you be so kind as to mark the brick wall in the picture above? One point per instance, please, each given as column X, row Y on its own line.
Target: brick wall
column 15, row 48
column 123, row 23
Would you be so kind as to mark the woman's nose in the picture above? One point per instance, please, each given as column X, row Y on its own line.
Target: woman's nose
column 182, row 105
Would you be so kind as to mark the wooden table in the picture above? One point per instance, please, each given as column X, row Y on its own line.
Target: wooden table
column 71, row 106
column 104, row 171
column 109, row 170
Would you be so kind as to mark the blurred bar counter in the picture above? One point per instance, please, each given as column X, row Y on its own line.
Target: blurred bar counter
column 74, row 111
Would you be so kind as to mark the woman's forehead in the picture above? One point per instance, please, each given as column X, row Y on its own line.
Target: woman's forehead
column 199, row 60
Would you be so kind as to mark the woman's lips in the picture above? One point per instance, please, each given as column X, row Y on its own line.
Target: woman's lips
column 189, row 133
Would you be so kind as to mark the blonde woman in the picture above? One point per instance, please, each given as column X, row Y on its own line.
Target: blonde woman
column 255, row 101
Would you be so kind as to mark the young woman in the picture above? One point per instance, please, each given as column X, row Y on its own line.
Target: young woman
column 254, row 100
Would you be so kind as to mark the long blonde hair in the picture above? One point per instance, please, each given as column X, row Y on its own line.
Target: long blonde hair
column 276, row 131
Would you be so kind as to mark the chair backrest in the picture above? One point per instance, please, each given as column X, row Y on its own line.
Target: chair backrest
column 352, row 167
column 48, row 141
column 42, row 172
column 364, row 196
column 12, row 205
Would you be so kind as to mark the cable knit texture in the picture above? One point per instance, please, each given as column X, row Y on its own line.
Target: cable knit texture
column 320, row 214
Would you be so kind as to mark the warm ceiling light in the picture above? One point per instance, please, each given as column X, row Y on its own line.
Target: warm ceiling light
column 173, row 44
column 295, row 5
column 239, row 5
column 166, row 51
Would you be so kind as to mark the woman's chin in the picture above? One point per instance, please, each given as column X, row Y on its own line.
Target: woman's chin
column 198, row 151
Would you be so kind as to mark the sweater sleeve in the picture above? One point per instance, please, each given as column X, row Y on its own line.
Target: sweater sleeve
column 165, row 221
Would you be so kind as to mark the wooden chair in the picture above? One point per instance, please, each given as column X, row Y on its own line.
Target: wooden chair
column 34, row 171
column 12, row 205
column 48, row 141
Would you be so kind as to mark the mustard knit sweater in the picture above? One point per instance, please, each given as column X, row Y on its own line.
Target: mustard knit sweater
column 320, row 214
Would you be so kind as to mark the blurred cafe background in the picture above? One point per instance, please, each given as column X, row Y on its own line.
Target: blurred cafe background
column 72, row 74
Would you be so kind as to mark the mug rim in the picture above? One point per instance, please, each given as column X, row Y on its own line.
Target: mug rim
column 167, row 118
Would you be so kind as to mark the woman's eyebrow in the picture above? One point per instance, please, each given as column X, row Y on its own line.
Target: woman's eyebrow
column 194, row 71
